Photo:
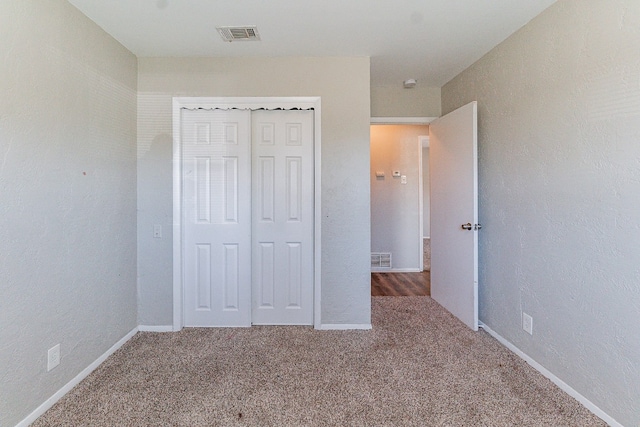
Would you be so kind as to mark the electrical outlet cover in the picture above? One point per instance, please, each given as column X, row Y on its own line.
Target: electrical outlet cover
column 53, row 357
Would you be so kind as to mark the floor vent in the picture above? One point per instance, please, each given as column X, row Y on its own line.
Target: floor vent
column 235, row 34
column 380, row 259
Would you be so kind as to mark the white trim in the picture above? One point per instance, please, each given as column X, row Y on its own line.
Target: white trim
column 317, row 237
column 155, row 328
column 74, row 382
column 420, row 206
column 177, row 216
column 426, row 238
column 250, row 104
column 395, row 270
column 557, row 381
column 345, row 326
column 402, row 120
column 424, row 141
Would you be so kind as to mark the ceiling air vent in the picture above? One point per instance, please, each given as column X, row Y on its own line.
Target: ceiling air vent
column 237, row 34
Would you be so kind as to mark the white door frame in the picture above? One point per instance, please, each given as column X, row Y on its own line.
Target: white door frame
column 269, row 103
column 423, row 141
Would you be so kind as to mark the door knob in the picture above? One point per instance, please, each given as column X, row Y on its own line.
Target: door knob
column 468, row 226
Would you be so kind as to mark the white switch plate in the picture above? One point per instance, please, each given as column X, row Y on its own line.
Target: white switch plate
column 53, row 357
column 157, row 231
column 527, row 323
column 403, row 179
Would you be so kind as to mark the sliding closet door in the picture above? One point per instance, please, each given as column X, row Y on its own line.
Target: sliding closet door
column 216, row 180
column 282, row 236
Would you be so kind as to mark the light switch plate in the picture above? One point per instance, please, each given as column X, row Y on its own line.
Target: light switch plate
column 527, row 323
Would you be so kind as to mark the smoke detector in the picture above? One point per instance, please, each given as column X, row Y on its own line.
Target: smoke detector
column 410, row 83
column 236, row 34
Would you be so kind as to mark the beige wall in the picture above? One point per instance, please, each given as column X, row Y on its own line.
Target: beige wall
column 67, row 198
column 395, row 209
column 559, row 153
column 343, row 85
column 396, row 101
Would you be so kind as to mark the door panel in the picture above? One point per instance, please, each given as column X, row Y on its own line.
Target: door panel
column 216, row 180
column 454, row 202
column 283, row 217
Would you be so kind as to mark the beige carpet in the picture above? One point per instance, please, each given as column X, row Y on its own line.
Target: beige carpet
column 417, row 367
column 426, row 254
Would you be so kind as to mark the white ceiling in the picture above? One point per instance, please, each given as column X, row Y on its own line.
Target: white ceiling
column 429, row 40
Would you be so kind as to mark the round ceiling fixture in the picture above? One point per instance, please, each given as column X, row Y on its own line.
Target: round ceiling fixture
column 410, row 83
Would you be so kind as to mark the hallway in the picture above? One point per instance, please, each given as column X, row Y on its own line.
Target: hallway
column 401, row 284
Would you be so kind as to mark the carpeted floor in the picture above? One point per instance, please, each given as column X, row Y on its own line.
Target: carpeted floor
column 418, row 367
column 426, row 254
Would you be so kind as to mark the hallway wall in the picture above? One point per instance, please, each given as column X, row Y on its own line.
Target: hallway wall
column 395, row 209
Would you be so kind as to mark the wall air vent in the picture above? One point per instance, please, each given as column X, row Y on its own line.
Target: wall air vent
column 380, row 260
column 237, row 34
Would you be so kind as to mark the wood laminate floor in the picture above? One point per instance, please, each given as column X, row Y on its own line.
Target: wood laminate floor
column 401, row 284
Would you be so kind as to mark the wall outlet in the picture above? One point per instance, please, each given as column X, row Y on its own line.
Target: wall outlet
column 53, row 357
column 527, row 323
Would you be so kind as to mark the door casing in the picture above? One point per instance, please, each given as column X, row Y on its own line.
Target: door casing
column 250, row 103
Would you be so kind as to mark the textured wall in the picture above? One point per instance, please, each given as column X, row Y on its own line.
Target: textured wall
column 426, row 194
column 396, row 101
column 559, row 153
column 343, row 84
column 395, row 210
column 67, row 198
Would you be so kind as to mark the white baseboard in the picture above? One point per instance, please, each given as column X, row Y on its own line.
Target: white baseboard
column 155, row 328
column 344, row 326
column 396, row 270
column 74, row 382
column 554, row 379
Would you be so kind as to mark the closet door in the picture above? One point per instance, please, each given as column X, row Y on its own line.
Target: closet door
column 282, row 236
column 216, row 180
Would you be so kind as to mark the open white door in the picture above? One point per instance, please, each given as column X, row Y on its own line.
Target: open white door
column 454, row 213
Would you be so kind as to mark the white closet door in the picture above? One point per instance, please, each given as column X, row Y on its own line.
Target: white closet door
column 216, row 179
column 282, row 237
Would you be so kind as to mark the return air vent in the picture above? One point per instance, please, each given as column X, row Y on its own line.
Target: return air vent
column 380, row 259
column 238, row 34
